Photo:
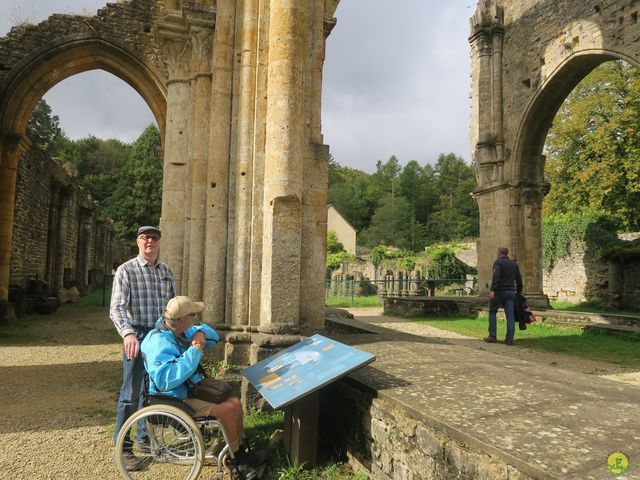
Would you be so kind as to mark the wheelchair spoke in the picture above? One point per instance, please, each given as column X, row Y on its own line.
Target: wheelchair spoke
column 173, row 449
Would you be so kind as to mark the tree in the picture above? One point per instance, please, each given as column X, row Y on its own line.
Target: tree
column 137, row 197
column 349, row 192
column 333, row 244
column 390, row 224
column 456, row 215
column 44, row 128
column 593, row 147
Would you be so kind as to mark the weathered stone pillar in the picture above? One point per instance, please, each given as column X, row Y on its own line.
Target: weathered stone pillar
column 215, row 264
column 315, row 175
column 530, row 256
column 280, row 309
column 176, row 48
column 244, row 164
column 487, row 137
column 52, row 228
column 12, row 148
column 64, row 200
column 202, row 38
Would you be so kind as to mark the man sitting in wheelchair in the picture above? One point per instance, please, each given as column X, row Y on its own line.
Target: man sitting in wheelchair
column 172, row 353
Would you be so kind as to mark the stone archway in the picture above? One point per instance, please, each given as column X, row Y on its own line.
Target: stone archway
column 237, row 87
column 35, row 58
column 527, row 56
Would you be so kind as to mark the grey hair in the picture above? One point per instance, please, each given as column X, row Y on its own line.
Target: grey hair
column 171, row 321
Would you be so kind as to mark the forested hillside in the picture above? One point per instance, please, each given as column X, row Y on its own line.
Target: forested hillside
column 125, row 179
column 408, row 206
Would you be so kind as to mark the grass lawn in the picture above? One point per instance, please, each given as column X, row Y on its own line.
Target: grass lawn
column 604, row 347
column 355, row 301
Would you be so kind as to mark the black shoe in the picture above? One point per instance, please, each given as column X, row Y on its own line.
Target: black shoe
column 254, row 457
column 242, row 471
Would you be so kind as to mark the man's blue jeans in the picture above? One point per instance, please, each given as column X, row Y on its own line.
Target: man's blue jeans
column 132, row 390
column 507, row 300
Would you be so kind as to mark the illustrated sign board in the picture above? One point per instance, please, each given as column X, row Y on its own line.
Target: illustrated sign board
column 303, row 368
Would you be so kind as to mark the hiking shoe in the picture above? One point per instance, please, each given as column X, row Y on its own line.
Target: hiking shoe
column 242, row 471
column 254, row 458
column 508, row 342
column 131, row 462
column 490, row 339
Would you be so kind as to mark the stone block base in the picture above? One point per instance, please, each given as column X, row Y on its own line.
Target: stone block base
column 388, row 440
column 432, row 306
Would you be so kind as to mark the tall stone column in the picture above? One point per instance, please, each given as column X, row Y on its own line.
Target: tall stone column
column 52, row 228
column 530, row 254
column 281, row 245
column 201, row 34
column 63, row 214
column 218, row 165
column 487, row 137
column 244, row 164
column 315, row 176
column 12, row 148
column 176, row 46
column 259, row 140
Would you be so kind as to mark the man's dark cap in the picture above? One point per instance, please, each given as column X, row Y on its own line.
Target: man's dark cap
column 149, row 229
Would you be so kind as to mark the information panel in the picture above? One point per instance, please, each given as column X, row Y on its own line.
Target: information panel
column 303, row 368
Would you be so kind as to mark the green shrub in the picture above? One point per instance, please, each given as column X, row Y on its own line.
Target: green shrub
column 445, row 265
column 597, row 229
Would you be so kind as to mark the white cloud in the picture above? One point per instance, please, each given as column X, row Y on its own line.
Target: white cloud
column 396, row 81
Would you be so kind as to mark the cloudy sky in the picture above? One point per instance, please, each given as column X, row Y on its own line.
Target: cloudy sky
column 396, row 81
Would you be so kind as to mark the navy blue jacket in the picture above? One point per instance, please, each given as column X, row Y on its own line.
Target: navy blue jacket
column 506, row 275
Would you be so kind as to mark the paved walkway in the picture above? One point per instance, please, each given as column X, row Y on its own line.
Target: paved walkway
column 548, row 422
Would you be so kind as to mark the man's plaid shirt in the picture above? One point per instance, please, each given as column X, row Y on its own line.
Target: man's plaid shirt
column 140, row 294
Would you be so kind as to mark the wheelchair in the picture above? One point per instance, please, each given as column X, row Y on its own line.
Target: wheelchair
column 178, row 445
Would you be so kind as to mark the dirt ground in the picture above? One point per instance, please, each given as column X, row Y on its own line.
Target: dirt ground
column 60, row 375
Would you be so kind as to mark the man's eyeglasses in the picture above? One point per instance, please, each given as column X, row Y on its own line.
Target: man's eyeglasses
column 153, row 238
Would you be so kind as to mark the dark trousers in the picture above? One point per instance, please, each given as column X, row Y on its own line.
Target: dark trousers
column 505, row 299
column 133, row 390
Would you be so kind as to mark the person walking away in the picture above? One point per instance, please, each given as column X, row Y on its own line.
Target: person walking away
column 142, row 287
column 506, row 281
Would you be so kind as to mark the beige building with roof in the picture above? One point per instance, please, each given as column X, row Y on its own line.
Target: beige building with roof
column 345, row 232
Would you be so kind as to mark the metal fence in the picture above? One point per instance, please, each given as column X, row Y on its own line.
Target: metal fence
column 397, row 286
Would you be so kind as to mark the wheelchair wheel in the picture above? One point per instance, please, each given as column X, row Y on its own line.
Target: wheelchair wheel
column 174, row 449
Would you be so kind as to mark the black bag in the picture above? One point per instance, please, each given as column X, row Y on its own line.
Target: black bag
column 211, row 390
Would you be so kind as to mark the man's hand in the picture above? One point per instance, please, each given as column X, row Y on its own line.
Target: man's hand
column 198, row 340
column 131, row 346
column 492, row 295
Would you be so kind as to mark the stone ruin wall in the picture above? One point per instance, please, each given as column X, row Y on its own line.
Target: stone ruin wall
column 35, row 224
column 541, row 35
column 130, row 22
column 577, row 278
column 31, row 218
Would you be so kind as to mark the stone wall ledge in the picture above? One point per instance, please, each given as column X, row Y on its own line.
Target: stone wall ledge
column 578, row 318
column 404, row 443
column 443, row 408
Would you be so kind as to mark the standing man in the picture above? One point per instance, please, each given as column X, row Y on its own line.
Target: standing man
column 141, row 289
column 506, row 281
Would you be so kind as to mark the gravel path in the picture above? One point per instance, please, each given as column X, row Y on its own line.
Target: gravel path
column 565, row 362
column 60, row 375
column 59, row 380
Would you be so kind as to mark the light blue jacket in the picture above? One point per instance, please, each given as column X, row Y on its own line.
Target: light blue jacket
column 171, row 365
